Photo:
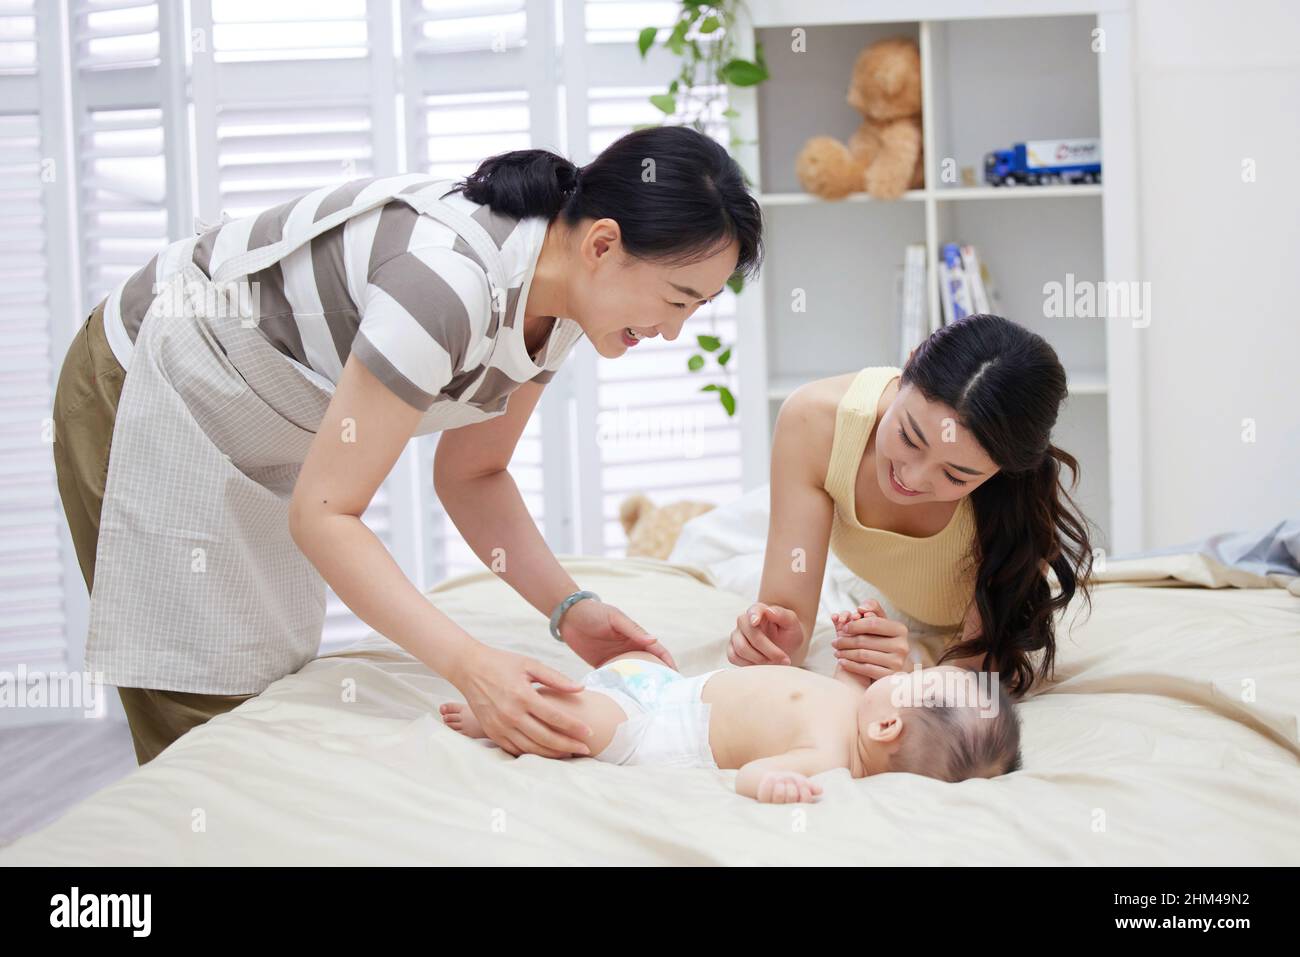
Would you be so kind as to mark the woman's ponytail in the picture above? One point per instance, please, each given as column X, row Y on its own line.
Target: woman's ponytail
column 1026, row 522
column 523, row 183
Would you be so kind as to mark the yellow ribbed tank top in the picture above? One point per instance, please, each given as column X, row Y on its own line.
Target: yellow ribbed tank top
column 923, row 577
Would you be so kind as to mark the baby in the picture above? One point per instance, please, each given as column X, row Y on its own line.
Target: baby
column 781, row 725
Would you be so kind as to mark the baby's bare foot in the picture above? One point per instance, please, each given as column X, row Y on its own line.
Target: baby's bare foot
column 459, row 717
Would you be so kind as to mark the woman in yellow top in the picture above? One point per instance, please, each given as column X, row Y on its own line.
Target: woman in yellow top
column 938, row 484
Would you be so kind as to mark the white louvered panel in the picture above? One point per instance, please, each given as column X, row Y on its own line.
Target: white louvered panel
column 115, row 34
column 659, row 434
column 32, row 621
column 17, row 38
column 621, row 21
column 123, row 201
column 255, row 30
column 461, row 130
column 269, row 153
column 461, row 26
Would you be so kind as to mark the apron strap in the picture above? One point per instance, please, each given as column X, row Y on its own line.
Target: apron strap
column 429, row 205
column 478, row 239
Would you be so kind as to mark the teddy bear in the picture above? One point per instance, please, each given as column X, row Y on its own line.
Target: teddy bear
column 884, row 156
column 652, row 531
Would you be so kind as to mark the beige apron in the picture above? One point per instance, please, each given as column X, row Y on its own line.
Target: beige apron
column 198, row 585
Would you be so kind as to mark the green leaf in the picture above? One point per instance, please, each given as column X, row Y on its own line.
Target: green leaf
column 730, row 114
column 758, row 54
column 736, row 283
column 666, row 102
column 646, row 40
column 647, row 126
column 728, row 400
column 724, row 396
column 677, row 39
column 709, row 24
column 709, row 343
column 724, row 356
column 674, row 86
column 742, row 73
column 695, row 363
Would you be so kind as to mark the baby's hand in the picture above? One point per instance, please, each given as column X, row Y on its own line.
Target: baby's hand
column 869, row 645
column 787, row 787
column 841, row 618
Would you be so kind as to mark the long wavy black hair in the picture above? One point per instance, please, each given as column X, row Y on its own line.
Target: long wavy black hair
column 1006, row 385
column 676, row 194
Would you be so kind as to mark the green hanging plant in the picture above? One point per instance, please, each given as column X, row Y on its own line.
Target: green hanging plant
column 721, row 355
column 708, row 67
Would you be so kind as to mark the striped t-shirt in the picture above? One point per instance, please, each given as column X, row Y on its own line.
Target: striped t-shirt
column 401, row 290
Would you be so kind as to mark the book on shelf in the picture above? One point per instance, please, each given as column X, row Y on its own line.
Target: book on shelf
column 965, row 286
column 970, row 265
column 953, row 287
column 913, row 324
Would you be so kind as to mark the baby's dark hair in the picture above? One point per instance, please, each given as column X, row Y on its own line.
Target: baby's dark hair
column 955, row 743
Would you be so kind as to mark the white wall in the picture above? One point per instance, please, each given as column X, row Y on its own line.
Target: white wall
column 1219, row 82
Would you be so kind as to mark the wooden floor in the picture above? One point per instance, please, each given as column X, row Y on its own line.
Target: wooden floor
column 47, row 768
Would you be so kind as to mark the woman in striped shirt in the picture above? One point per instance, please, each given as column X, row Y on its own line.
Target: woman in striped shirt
column 392, row 310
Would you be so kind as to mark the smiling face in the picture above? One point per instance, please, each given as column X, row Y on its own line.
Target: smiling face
column 619, row 300
column 924, row 454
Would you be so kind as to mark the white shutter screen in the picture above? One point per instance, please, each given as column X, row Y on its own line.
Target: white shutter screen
column 17, row 38
column 33, row 566
column 119, row 125
column 657, row 433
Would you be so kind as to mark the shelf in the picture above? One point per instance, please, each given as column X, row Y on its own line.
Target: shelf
column 1017, row 192
column 837, row 13
column 807, row 199
column 943, row 195
column 1080, row 383
column 993, row 74
column 1086, row 383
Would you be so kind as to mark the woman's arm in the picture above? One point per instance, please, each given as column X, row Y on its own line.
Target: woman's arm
column 799, row 526
column 360, row 437
column 480, row 495
column 357, row 443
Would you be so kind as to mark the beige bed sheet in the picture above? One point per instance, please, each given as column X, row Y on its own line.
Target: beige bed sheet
column 1169, row 737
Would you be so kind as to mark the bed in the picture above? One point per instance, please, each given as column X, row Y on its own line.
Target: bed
column 1168, row 737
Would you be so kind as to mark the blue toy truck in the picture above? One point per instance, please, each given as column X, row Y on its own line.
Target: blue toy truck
column 1038, row 162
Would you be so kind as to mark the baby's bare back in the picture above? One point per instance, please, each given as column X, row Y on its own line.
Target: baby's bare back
column 762, row 710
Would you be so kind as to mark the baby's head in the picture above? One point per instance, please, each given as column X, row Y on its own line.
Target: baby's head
column 944, row 722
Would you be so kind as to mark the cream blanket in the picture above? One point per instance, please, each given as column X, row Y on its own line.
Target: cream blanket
column 1169, row 737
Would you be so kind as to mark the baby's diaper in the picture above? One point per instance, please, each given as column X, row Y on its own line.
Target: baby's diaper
column 667, row 723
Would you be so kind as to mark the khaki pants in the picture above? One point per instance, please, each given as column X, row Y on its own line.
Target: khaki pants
column 85, row 407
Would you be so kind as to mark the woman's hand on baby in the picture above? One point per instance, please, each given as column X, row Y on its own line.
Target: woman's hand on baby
column 869, row 644
column 787, row 787
column 597, row 632
column 765, row 635
column 498, row 687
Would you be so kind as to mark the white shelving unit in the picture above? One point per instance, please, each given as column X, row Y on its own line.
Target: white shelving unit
column 1017, row 70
